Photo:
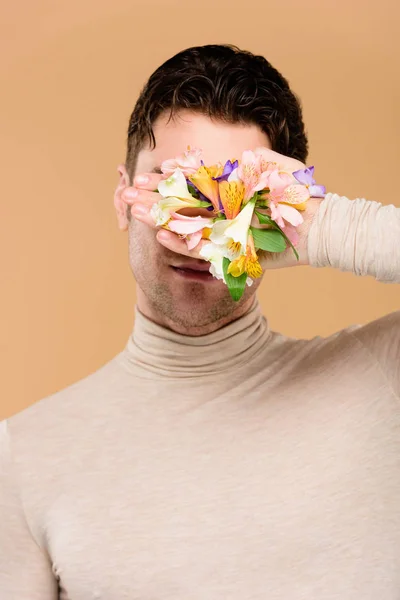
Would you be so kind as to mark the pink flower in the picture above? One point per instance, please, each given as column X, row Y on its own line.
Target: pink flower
column 255, row 172
column 190, row 228
column 189, row 162
column 249, row 172
column 281, row 212
column 286, row 199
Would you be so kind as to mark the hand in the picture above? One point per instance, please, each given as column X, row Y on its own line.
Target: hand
column 145, row 197
column 141, row 198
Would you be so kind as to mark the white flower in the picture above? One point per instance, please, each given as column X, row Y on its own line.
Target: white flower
column 215, row 255
column 161, row 210
column 232, row 234
column 175, row 186
column 234, row 176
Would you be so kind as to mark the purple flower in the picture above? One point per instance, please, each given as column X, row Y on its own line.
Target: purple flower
column 305, row 176
column 228, row 168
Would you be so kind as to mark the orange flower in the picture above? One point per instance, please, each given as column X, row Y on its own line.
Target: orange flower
column 231, row 194
column 203, row 180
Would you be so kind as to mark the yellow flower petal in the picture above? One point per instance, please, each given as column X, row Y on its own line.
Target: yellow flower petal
column 215, row 170
column 206, row 233
column 237, row 266
column 253, row 268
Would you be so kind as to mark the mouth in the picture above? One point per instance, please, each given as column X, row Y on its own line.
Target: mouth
column 196, row 271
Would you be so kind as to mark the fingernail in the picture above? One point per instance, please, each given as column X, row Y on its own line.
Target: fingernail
column 139, row 209
column 130, row 193
column 141, row 180
column 163, row 234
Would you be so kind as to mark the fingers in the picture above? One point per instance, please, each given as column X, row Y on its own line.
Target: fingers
column 148, row 181
column 140, row 202
column 141, row 197
column 132, row 196
column 173, row 242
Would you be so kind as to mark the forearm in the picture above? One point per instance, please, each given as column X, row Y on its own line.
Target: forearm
column 360, row 236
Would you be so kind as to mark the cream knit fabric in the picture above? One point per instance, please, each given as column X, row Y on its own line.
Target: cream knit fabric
column 240, row 465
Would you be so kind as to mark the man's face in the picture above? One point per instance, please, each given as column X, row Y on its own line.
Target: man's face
column 166, row 293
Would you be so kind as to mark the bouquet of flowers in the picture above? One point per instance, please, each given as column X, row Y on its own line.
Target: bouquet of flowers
column 235, row 195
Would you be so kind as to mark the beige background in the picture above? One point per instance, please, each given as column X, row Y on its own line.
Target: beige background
column 71, row 71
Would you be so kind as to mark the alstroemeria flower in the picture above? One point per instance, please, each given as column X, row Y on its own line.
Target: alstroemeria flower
column 205, row 182
column 286, row 199
column 251, row 173
column 194, row 190
column 188, row 162
column 175, row 185
column 306, row 177
column 191, row 228
column 228, row 168
column 247, row 263
column 280, row 211
column 264, row 164
column 232, row 234
column 215, row 256
column 231, row 194
column 161, row 211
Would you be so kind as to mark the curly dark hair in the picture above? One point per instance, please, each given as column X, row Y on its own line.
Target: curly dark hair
column 223, row 82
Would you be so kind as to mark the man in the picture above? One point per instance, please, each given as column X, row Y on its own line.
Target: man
column 213, row 457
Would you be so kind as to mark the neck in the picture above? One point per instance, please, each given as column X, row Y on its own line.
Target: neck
column 149, row 311
column 166, row 353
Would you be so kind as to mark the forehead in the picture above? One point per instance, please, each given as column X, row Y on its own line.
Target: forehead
column 219, row 141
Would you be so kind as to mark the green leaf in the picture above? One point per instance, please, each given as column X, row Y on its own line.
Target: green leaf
column 266, row 220
column 236, row 285
column 268, row 239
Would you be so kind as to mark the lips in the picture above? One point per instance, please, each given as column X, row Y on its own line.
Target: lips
column 200, row 265
column 194, row 270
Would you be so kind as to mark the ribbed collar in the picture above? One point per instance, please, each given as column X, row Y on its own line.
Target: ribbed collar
column 169, row 354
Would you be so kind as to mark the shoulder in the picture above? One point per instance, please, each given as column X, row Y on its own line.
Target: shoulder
column 380, row 338
column 67, row 413
column 368, row 352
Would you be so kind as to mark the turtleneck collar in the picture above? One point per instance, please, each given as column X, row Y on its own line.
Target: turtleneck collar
column 164, row 352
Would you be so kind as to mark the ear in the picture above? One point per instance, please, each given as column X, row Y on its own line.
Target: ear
column 120, row 206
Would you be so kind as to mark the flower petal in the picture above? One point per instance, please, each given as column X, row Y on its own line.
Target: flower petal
column 276, row 213
column 278, row 181
column 215, row 256
column 296, row 195
column 304, row 176
column 204, row 182
column 290, row 214
column 188, row 162
column 175, row 186
column 186, row 227
column 238, row 229
column 228, row 168
column 193, row 240
column 317, row 191
column 161, row 211
column 234, row 176
column 231, row 194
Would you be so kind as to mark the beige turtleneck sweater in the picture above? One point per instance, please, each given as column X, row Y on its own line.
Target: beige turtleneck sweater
column 240, row 465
